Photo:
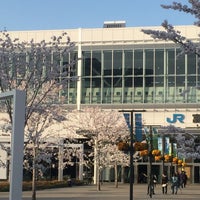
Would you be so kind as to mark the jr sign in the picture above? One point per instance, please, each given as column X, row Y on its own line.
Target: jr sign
column 176, row 118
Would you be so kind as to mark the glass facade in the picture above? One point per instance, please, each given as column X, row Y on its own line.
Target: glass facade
column 128, row 76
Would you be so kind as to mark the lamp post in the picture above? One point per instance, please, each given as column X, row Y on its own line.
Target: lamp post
column 149, row 139
column 163, row 153
column 150, row 158
column 131, row 147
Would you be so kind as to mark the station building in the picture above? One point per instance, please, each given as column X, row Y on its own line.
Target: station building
column 123, row 68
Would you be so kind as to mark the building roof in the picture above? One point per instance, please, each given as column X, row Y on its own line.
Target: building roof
column 105, row 36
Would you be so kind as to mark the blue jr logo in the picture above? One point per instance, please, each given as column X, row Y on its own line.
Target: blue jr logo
column 176, row 117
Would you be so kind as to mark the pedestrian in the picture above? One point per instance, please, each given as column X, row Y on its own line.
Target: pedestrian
column 184, row 179
column 164, row 183
column 154, row 180
column 174, row 183
column 151, row 186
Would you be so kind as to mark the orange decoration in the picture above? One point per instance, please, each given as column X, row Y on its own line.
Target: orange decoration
column 144, row 153
column 157, row 158
column 156, row 152
column 180, row 162
column 175, row 160
column 123, row 146
column 139, row 146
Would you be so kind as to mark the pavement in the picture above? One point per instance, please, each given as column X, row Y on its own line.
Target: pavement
column 110, row 192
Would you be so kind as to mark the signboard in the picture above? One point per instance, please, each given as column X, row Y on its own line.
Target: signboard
column 138, row 127
column 127, row 119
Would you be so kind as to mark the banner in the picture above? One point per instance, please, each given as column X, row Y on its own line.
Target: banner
column 138, row 127
column 155, row 138
column 127, row 119
column 160, row 144
column 167, row 144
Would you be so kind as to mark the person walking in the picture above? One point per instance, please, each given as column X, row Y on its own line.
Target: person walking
column 151, row 186
column 184, row 178
column 154, row 180
column 174, row 183
column 164, row 183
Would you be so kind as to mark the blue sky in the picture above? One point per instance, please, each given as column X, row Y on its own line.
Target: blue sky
column 68, row 14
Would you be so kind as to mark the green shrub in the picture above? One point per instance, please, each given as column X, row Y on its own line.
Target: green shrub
column 40, row 185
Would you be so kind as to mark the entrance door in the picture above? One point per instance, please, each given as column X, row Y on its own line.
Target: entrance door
column 196, row 174
column 142, row 173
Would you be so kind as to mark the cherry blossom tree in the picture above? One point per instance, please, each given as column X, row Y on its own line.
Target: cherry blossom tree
column 186, row 142
column 187, row 147
column 38, row 69
column 104, row 129
column 113, row 157
column 171, row 34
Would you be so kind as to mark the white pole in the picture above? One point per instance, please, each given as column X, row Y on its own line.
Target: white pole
column 95, row 162
column 79, row 82
column 17, row 142
column 17, row 145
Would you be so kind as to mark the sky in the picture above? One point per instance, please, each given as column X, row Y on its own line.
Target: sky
column 19, row 15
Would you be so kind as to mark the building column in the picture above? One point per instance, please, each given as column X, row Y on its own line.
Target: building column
column 79, row 72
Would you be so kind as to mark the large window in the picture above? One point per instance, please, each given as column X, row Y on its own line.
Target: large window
column 191, row 64
column 107, row 62
column 86, row 63
column 159, row 61
column 171, row 61
column 138, row 75
column 128, row 62
column 117, row 63
column 180, row 63
column 149, row 61
column 128, row 82
column 96, row 63
column 138, row 62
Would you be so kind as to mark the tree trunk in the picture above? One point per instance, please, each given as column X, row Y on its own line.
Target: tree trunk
column 60, row 161
column 122, row 174
column 34, row 174
column 98, row 178
column 116, row 175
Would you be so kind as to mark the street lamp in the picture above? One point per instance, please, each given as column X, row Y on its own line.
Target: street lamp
column 150, row 161
column 131, row 148
column 149, row 139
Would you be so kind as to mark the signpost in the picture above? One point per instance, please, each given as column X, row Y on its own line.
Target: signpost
column 130, row 120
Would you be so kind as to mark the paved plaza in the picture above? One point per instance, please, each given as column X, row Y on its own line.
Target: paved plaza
column 109, row 192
